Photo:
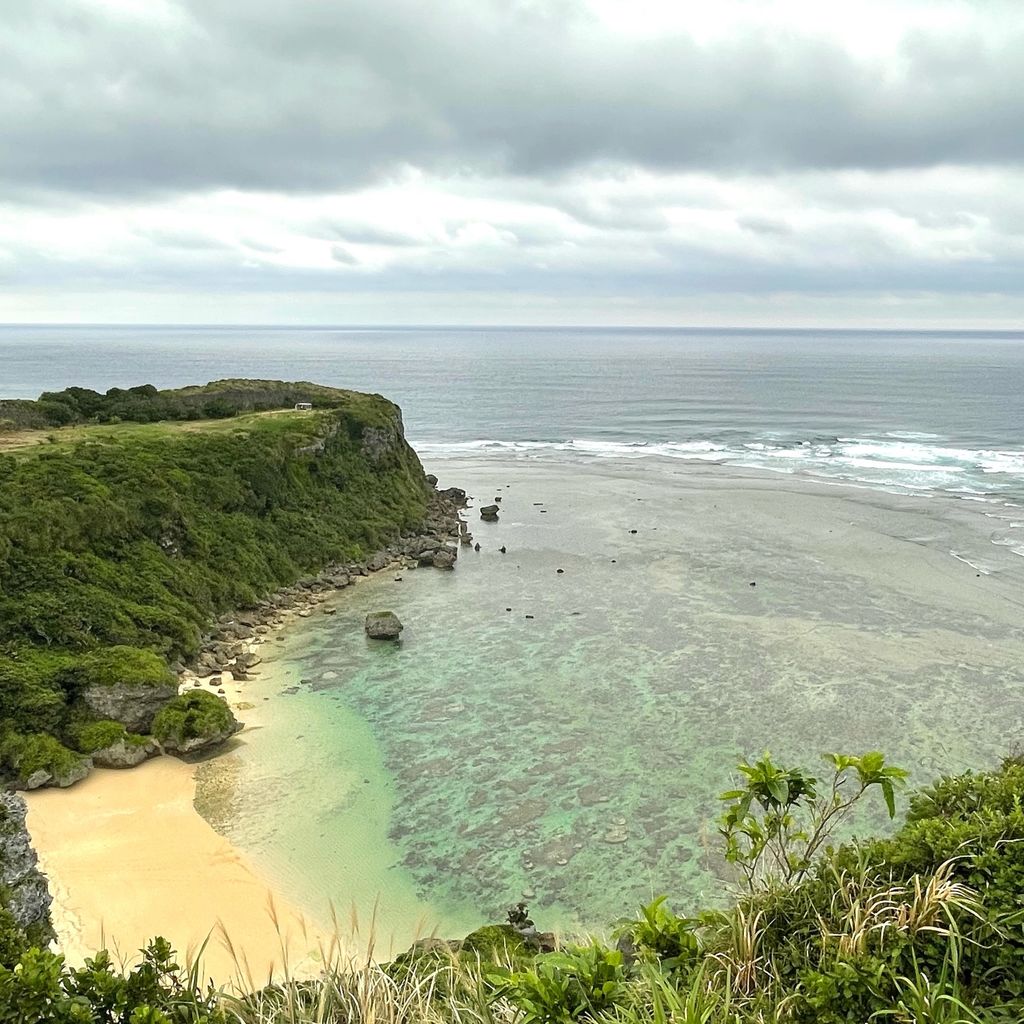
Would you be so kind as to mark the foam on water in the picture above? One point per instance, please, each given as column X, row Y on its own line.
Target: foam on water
column 906, row 462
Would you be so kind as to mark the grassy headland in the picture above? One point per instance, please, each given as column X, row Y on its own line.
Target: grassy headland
column 133, row 522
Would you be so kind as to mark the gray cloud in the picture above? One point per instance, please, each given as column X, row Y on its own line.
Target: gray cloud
column 309, row 95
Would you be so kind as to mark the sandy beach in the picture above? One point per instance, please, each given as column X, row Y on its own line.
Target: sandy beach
column 128, row 855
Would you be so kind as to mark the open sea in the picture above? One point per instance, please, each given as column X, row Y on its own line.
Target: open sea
column 909, row 411
column 790, row 540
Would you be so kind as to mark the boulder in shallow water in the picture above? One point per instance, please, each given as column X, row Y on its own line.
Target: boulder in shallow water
column 444, row 559
column 383, row 626
column 489, row 513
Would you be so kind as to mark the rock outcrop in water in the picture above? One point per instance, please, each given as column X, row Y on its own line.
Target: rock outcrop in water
column 383, row 626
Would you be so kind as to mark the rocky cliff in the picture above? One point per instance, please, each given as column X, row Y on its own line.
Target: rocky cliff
column 23, row 890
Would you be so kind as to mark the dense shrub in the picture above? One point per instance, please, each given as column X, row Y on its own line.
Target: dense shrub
column 118, row 546
column 118, row 665
column 41, row 989
column 88, row 737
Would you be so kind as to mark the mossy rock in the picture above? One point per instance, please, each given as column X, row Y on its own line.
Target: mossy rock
column 194, row 721
column 37, row 760
column 383, row 626
column 497, row 942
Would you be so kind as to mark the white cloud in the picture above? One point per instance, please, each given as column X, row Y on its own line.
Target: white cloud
column 668, row 161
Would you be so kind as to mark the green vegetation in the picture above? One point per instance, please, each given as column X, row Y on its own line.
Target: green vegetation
column 193, row 715
column 89, row 736
column 120, row 544
column 923, row 927
column 145, row 404
column 111, row 666
column 24, row 754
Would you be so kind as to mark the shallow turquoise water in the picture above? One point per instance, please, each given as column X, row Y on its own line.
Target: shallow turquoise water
column 490, row 753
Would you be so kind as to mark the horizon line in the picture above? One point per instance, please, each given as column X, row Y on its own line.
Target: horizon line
column 702, row 328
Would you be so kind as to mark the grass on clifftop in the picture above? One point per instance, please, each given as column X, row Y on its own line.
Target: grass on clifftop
column 120, row 543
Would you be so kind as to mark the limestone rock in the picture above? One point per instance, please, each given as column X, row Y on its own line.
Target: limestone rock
column 455, row 495
column 383, row 626
column 131, row 704
column 124, row 754
column 489, row 513
column 195, row 721
column 444, row 559
column 28, row 898
column 378, row 561
column 78, row 771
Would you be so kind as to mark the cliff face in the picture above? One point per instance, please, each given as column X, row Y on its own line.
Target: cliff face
column 23, row 890
column 120, row 544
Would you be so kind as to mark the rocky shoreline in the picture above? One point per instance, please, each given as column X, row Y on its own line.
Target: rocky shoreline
column 230, row 652
column 232, row 646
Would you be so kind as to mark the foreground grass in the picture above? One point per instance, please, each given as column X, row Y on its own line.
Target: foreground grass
column 925, row 927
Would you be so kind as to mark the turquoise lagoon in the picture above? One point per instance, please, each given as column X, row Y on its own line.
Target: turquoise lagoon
column 564, row 735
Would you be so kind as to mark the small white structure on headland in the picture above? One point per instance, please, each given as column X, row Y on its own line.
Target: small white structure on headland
column 303, row 406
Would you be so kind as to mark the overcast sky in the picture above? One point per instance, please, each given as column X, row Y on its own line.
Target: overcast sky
column 512, row 161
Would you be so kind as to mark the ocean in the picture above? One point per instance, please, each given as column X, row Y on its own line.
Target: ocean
column 908, row 411
column 786, row 541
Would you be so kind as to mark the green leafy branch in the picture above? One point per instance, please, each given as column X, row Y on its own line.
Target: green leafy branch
column 781, row 817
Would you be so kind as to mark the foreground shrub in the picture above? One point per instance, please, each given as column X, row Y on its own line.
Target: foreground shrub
column 41, row 989
column 580, row 981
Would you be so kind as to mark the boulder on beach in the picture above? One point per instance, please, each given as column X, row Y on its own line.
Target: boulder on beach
column 378, row 561
column 455, row 495
column 489, row 513
column 383, row 626
column 126, row 752
column 194, row 721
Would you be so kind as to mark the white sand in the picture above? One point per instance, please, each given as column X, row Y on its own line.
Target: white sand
column 127, row 854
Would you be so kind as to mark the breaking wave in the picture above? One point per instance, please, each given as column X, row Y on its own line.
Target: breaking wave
column 905, row 462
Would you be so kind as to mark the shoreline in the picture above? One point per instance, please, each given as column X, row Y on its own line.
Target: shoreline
column 224, row 864
column 172, row 870
column 131, row 850
column 168, row 848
